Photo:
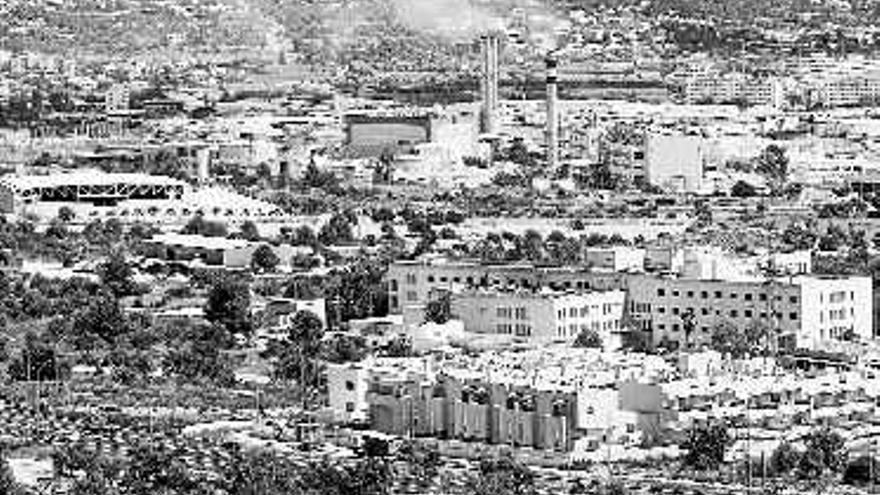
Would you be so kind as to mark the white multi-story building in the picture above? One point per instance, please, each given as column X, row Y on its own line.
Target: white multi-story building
column 117, row 98
column 807, row 310
column 347, row 386
column 851, row 90
column 410, row 283
column 717, row 87
column 615, row 258
column 542, row 316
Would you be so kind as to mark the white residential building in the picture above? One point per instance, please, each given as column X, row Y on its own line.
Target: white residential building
column 808, row 311
column 542, row 316
column 615, row 258
column 347, row 386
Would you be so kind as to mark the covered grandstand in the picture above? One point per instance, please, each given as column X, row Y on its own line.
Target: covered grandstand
column 145, row 198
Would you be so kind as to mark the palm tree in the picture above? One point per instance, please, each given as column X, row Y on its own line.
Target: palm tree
column 688, row 324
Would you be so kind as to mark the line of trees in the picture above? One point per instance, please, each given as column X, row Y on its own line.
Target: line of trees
column 157, row 468
column 821, row 459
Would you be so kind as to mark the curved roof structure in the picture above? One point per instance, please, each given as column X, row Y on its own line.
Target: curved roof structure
column 20, row 183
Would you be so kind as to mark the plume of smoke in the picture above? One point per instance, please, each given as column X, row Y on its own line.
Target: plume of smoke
column 453, row 19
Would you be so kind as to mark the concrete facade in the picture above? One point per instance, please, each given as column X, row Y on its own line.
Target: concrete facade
column 807, row 311
column 411, row 283
column 542, row 317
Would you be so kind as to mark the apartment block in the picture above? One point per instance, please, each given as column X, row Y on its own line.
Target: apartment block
column 410, row 283
column 347, row 386
column 542, row 316
column 807, row 310
column 470, row 408
column 549, row 398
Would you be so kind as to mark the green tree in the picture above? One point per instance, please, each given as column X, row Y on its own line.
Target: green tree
column 299, row 358
column 303, row 236
column 304, row 262
column 66, row 214
column 338, row 230
column 729, row 340
column 229, row 305
column 588, row 339
column 101, row 322
column 36, row 361
column 249, row 231
column 117, row 275
column 264, row 259
column 760, row 339
column 93, row 483
column 532, row 246
column 705, row 446
column 799, row 236
column 344, row 348
column 743, row 189
column 199, row 226
column 773, row 163
column 703, row 213
column 439, row 308
column 420, row 465
column 784, row 460
column 261, row 473
column 154, row 469
column 198, row 357
column 825, row 453
column 861, row 471
column 502, row 475
column 318, row 179
column 358, row 291
column 518, row 153
column 400, row 346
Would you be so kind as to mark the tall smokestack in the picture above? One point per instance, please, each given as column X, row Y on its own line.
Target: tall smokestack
column 203, row 165
column 552, row 111
column 489, row 82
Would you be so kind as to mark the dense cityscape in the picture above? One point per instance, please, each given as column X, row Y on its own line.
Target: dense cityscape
column 465, row 247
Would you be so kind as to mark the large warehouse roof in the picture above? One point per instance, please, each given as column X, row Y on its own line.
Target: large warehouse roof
column 85, row 178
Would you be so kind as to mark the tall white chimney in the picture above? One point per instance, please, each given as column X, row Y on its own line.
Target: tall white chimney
column 489, row 82
column 552, row 111
column 203, row 165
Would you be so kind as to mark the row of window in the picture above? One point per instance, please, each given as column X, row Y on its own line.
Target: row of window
column 836, row 314
column 733, row 313
column 584, row 311
column 838, row 297
column 704, row 294
column 412, row 279
column 836, row 332
column 675, row 327
column 519, row 329
column 510, row 313
column 573, row 329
